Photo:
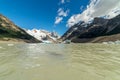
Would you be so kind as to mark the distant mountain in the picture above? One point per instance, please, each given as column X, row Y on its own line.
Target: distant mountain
column 11, row 32
column 43, row 35
column 99, row 30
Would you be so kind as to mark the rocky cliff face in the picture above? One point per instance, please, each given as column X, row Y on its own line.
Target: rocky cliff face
column 74, row 31
column 99, row 30
column 11, row 32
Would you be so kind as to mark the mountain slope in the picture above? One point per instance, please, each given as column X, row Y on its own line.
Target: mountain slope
column 11, row 32
column 43, row 35
column 99, row 30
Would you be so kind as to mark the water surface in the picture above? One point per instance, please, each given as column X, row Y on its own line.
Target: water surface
column 59, row 62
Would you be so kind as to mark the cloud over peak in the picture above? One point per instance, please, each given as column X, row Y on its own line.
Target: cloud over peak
column 63, row 13
column 64, row 1
column 96, row 8
column 60, row 15
column 58, row 20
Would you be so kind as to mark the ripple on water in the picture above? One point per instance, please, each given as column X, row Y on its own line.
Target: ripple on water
column 30, row 66
column 6, row 70
column 59, row 62
column 10, row 45
column 1, row 47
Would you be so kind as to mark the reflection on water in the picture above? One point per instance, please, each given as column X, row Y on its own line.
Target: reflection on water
column 59, row 62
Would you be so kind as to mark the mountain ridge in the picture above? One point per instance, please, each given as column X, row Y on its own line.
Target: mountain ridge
column 99, row 28
column 11, row 32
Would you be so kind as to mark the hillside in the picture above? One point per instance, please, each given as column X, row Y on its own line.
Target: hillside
column 11, row 32
column 99, row 30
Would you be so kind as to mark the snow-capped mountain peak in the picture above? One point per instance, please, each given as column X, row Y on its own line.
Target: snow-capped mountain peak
column 43, row 35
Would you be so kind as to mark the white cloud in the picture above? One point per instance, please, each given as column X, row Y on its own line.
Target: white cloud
column 58, row 20
column 61, row 15
column 81, row 8
column 62, row 1
column 97, row 8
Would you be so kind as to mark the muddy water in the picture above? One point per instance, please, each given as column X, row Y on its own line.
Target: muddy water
column 59, row 62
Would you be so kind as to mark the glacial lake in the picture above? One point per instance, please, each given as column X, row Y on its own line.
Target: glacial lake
column 59, row 62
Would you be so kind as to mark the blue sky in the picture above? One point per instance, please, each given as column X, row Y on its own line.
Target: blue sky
column 54, row 15
column 40, row 14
